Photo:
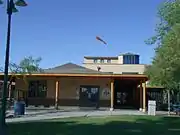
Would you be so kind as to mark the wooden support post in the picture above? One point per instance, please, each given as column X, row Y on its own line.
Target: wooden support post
column 112, row 95
column 17, row 96
column 140, row 96
column 9, row 93
column 57, row 94
column 144, row 96
column 169, row 102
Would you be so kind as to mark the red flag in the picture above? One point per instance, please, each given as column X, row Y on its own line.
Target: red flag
column 98, row 38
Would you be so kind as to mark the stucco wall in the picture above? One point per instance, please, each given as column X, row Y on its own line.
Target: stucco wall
column 91, row 61
column 69, row 87
column 68, row 90
column 117, row 68
column 21, row 85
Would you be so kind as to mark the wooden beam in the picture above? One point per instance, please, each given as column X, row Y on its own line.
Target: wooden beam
column 57, row 94
column 112, row 95
column 144, row 96
column 9, row 92
column 140, row 96
column 127, row 76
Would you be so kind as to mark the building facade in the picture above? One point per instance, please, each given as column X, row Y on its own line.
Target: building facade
column 114, row 82
column 123, row 64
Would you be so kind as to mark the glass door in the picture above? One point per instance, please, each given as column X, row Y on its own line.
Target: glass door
column 89, row 96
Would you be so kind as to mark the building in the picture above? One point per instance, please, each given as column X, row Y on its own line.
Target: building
column 101, row 82
column 123, row 64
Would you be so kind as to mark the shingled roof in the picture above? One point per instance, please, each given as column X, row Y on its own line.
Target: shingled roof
column 71, row 68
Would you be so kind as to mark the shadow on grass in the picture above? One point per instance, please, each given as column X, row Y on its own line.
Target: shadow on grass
column 105, row 126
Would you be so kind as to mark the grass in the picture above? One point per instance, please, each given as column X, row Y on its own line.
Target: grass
column 124, row 125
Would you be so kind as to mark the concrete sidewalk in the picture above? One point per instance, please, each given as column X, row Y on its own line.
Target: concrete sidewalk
column 56, row 115
column 41, row 113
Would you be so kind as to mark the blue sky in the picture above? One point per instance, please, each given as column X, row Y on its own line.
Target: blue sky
column 62, row 31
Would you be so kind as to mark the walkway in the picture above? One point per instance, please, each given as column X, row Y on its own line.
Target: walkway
column 41, row 113
column 61, row 114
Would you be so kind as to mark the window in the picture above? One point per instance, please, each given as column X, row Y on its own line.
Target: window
column 37, row 88
column 102, row 61
column 130, row 59
column 124, row 59
column 108, row 60
column 95, row 60
column 137, row 59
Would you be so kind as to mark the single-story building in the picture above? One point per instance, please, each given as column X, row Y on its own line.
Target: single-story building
column 74, row 85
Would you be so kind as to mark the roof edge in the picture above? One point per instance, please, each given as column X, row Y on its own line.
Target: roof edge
column 89, row 75
column 100, row 57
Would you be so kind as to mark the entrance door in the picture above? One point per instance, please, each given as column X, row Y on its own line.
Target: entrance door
column 122, row 97
column 89, row 96
column 124, row 93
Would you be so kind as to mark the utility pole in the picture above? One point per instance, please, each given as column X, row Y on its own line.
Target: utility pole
column 11, row 8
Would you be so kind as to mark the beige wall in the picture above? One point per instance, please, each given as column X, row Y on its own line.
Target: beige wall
column 91, row 61
column 120, row 60
column 69, row 87
column 117, row 68
column 21, row 84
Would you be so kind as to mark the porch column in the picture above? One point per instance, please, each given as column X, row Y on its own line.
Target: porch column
column 9, row 94
column 112, row 95
column 57, row 94
column 144, row 96
column 141, row 95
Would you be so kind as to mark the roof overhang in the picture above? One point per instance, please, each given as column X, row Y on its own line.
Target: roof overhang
column 99, row 75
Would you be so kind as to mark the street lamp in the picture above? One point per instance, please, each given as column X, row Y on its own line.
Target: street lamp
column 1, row 2
column 11, row 8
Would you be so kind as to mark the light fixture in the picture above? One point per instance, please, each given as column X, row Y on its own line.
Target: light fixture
column 14, row 10
column 98, row 68
column 20, row 3
column 13, row 7
column 1, row 2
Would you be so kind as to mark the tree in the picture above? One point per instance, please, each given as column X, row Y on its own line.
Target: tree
column 168, row 14
column 26, row 66
column 165, row 68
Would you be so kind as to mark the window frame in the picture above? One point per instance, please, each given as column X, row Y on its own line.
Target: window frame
column 101, row 60
column 95, row 60
column 108, row 60
column 37, row 92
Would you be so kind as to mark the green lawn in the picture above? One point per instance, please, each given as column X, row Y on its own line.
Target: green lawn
column 124, row 125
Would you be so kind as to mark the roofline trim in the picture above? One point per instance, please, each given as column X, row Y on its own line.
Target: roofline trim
column 86, row 75
column 111, row 64
column 100, row 57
